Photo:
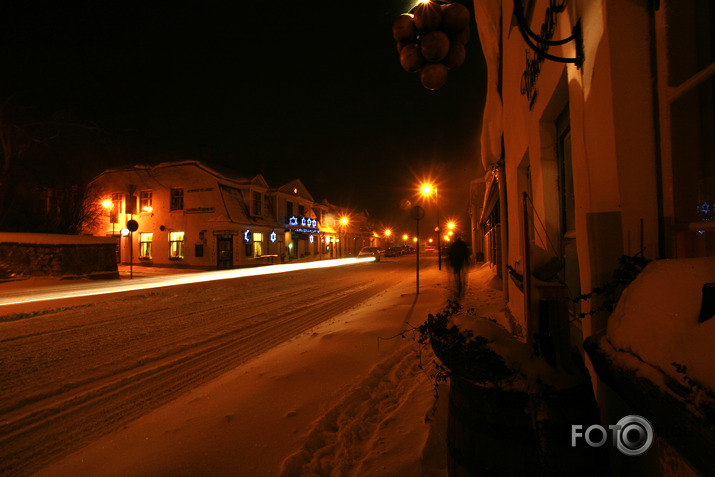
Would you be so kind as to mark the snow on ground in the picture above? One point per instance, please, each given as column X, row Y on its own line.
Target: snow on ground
column 656, row 319
column 347, row 397
column 52, row 239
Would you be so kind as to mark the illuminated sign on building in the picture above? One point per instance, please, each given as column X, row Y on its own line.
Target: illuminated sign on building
column 304, row 222
column 273, row 236
column 246, row 238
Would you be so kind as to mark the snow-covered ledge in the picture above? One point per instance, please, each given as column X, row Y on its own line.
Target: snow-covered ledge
column 24, row 255
column 658, row 356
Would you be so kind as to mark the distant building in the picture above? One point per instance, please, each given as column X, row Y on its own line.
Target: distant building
column 194, row 216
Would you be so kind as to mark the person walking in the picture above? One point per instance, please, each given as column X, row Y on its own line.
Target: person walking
column 459, row 261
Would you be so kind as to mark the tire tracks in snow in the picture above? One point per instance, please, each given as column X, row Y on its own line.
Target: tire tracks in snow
column 158, row 353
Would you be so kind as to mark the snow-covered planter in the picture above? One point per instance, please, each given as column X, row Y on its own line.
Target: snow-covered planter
column 657, row 354
column 509, row 408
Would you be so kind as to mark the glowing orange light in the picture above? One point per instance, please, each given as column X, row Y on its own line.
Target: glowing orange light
column 405, row 237
column 343, row 220
column 426, row 189
column 107, row 204
column 414, row 239
column 388, row 232
column 451, row 225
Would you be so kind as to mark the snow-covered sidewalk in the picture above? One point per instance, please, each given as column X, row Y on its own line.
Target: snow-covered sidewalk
column 341, row 398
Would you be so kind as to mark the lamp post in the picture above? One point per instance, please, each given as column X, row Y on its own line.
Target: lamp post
column 426, row 190
column 343, row 224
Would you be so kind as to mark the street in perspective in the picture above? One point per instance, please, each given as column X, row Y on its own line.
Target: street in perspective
column 411, row 237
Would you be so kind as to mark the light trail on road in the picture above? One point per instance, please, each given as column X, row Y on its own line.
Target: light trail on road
column 105, row 288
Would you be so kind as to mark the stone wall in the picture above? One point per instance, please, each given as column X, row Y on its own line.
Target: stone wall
column 60, row 256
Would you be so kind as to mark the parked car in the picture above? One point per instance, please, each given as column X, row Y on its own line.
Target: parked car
column 370, row 252
column 393, row 252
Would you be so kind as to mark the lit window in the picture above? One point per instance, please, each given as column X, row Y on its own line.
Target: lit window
column 176, row 245
column 145, row 201
column 257, row 244
column 145, row 240
column 177, row 199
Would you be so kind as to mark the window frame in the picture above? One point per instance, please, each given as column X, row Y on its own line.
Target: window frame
column 256, row 203
column 177, row 243
column 176, row 199
column 145, row 246
column 145, row 201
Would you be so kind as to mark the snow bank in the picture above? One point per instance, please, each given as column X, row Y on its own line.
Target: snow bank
column 53, row 239
column 656, row 319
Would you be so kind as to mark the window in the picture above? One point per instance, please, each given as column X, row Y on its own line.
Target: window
column 177, row 199
column 131, row 204
column 176, row 245
column 145, row 240
column 289, row 209
column 257, row 244
column 571, row 274
column 116, row 208
column 145, row 201
column 256, row 204
column 301, row 211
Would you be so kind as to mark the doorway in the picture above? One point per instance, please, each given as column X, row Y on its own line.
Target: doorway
column 571, row 275
column 224, row 248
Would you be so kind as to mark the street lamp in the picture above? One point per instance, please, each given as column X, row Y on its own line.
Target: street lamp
column 426, row 189
column 343, row 223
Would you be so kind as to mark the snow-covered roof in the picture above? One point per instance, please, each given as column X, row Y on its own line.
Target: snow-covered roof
column 296, row 187
column 218, row 172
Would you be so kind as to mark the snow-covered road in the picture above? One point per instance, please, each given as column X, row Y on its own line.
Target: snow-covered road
column 72, row 374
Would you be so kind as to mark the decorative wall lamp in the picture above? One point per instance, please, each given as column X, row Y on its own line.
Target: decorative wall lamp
column 541, row 44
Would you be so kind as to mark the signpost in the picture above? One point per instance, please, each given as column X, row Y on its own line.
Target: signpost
column 132, row 226
column 417, row 213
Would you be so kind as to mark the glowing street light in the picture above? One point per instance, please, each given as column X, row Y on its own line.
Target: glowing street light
column 107, row 204
column 451, row 225
column 426, row 189
column 343, row 223
column 388, row 232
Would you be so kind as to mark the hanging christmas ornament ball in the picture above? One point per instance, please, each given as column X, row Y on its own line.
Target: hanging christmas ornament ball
column 404, row 30
column 428, row 16
column 410, row 58
column 463, row 36
column 456, row 17
column 434, row 46
column 433, row 76
column 455, row 57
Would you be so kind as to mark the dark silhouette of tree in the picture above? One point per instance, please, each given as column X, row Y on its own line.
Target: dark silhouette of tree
column 43, row 170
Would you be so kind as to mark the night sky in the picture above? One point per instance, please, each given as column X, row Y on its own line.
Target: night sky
column 312, row 90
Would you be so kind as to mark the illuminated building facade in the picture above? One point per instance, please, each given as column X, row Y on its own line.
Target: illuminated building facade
column 191, row 215
column 588, row 161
